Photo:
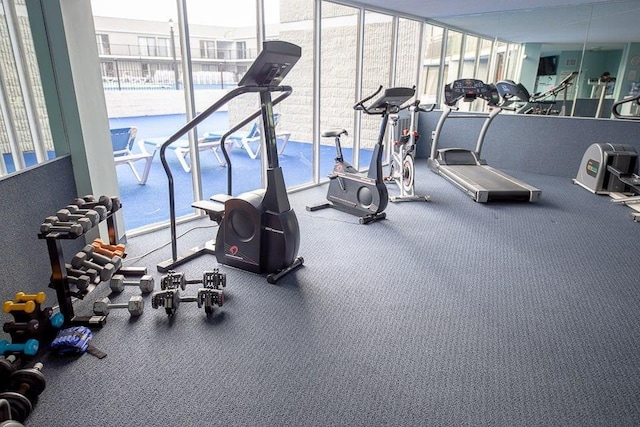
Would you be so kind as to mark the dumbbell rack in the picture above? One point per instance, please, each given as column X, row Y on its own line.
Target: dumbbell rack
column 59, row 280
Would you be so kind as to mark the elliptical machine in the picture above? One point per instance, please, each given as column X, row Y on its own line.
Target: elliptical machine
column 402, row 165
column 258, row 230
column 350, row 191
column 613, row 168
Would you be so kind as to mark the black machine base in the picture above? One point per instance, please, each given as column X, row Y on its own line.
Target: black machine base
column 363, row 219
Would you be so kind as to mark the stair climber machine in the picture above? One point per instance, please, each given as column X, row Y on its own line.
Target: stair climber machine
column 402, row 165
column 464, row 167
column 258, row 230
column 613, row 168
column 353, row 192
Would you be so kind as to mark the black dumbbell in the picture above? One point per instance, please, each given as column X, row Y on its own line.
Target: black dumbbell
column 29, row 327
column 25, row 385
column 84, row 222
column 102, row 259
column 73, row 229
column 8, row 366
column 81, row 260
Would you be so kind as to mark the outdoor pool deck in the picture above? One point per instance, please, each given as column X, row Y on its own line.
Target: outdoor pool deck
column 147, row 204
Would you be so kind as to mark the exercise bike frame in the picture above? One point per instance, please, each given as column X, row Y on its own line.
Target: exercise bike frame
column 402, row 164
column 353, row 192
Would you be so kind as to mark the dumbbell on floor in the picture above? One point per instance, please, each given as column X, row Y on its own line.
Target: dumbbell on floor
column 135, row 305
column 118, row 282
column 25, row 385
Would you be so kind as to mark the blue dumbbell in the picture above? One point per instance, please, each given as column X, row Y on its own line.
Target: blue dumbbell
column 57, row 320
column 30, row 348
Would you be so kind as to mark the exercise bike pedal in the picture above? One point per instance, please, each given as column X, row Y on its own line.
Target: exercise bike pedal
column 372, row 218
column 317, row 207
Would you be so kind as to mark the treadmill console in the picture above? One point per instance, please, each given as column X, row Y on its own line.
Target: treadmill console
column 469, row 90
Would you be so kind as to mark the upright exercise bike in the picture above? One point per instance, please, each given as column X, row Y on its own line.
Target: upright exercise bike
column 350, row 191
column 402, row 165
column 258, row 230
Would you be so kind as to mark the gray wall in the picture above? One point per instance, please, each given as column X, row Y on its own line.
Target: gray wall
column 541, row 144
column 28, row 198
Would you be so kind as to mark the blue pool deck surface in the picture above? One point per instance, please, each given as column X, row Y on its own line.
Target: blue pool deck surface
column 149, row 203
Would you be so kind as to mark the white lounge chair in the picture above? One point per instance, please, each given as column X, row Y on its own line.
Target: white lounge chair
column 122, row 140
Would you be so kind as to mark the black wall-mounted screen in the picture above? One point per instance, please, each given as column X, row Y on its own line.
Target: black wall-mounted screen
column 548, row 66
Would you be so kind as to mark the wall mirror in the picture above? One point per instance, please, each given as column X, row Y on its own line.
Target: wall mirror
column 599, row 42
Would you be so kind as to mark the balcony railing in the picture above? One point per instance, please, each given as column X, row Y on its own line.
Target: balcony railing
column 137, row 51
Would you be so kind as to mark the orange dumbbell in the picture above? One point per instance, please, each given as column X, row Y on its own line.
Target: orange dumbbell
column 27, row 307
column 118, row 249
column 106, row 252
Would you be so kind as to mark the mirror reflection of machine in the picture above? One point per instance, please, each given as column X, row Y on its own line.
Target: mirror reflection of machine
column 613, row 168
column 604, row 84
column 542, row 103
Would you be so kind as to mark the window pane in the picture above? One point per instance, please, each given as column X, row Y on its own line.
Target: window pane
column 375, row 72
column 433, row 44
column 469, row 57
column 25, row 136
column 338, row 82
column 295, row 114
column 407, row 52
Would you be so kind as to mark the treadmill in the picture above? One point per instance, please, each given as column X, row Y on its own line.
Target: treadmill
column 465, row 168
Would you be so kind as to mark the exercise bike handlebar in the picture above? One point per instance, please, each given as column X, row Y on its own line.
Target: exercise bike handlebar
column 360, row 104
column 421, row 108
column 616, row 108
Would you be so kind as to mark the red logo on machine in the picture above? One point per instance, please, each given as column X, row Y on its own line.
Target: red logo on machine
column 233, row 250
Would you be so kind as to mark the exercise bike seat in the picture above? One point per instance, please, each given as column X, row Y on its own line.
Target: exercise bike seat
column 334, row 133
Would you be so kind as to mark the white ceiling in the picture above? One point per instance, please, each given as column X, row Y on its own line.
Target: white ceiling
column 601, row 23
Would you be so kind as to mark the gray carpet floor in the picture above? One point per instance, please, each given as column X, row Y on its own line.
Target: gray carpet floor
column 448, row 313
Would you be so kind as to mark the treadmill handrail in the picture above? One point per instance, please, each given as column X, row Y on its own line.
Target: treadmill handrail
column 616, row 108
column 554, row 91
